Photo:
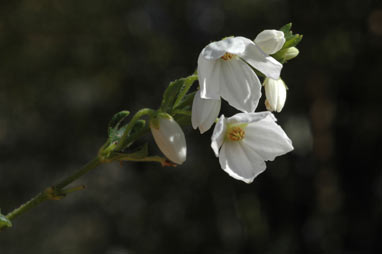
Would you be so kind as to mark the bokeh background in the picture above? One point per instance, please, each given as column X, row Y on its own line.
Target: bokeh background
column 67, row 66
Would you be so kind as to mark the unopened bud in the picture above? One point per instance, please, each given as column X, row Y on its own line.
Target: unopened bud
column 275, row 92
column 290, row 53
column 270, row 41
column 169, row 137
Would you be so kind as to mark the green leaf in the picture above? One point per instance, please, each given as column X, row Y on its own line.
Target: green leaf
column 175, row 92
column 291, row 40
column 170, row 94
column 184, row 89
column 286, row 28
column 115, row 134
column 139, row 125
column 116, row 120
column 4, row 221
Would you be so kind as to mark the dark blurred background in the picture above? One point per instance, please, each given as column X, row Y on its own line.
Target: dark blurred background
column 67, row 66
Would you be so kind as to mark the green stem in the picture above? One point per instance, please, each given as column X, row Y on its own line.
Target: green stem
column 82, row 171
column 136, row 117
column 127, row 157
column 53, row 192
column 28, row 205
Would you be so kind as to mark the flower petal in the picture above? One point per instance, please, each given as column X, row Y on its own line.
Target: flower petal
column 217, row 49
column 250, row 117
column 204, row 112
column 259, row 60
column 240, row 162
column 209, row 76
column 267, row 138
column 239, row 85
column 170, row 139
column 217, row 138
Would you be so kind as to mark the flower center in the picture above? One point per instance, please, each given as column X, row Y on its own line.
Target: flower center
column 235, row 133
column 227, row 56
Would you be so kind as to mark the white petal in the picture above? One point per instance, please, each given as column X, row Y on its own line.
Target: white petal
column 259, row 60
column 240, row 162
column 250, row 117
column 170, row 140
column 239, row 85
column 270, row 41
column 267, row 138
column 204, row 112
column 217, row 138
column 209, row 75
column 217, row 49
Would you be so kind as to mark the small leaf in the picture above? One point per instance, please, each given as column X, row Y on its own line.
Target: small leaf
column 116, row 120
column 175, row 92
column 138, row 126
column 184, row 89
column 4, row 221
column 115, row 134
column 170, row 94
column 286, row 28
column 293, row 41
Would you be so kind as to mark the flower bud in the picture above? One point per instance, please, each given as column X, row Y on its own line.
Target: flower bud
column 270, row 41
column 169, row 137
column 290, row 53
column 275, row 92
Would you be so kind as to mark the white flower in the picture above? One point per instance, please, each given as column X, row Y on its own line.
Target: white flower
column 204, row 112
column 275, row 92
column 270, row 41
column 224, row 70
column 246, row 141
column 170, row 138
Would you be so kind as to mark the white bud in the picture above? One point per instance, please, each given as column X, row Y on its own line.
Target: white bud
column 270, row 41
column 170, row 139
column 275, row 92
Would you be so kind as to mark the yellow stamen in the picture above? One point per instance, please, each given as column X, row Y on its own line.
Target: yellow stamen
column 227, row 56
column 235, row 133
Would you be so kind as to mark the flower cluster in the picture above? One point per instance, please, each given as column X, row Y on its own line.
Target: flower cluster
column 229, row 69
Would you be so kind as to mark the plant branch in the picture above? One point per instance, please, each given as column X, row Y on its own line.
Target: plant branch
column 54, row 192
